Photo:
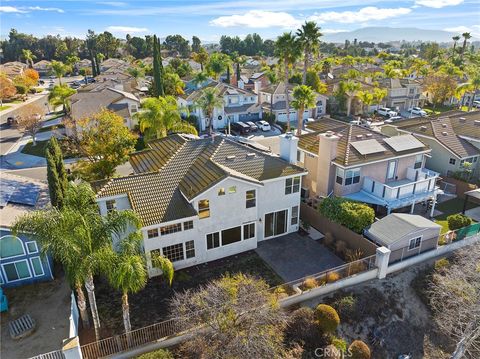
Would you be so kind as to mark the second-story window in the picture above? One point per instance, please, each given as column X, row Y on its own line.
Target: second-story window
column 250, row 198
column 418, row 161
column 452, row 161
column 111, row 205
column 339, row 176
column 292, row 185
column 152, row 233
column 352, row 176
column 204, row 208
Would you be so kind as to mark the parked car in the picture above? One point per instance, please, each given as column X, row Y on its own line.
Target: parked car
column 12, row 121
column 387, row 112
column 417, row 111
column 240, row 128
column 253, row 126
column 476, row 104
column 264, row 126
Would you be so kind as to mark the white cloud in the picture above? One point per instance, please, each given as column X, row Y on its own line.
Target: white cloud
column 113, row 3
column 11, row 9
column 331, row 31
column 363, row 15
column 257, row 19
column 438, row 4
column 27, row 9
column 126, row 29
column 38, row 8
column 473, row 30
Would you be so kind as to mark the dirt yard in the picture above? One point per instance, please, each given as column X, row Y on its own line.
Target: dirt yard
column 391, row 318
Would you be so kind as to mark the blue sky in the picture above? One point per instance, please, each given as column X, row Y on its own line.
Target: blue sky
column 208, row 19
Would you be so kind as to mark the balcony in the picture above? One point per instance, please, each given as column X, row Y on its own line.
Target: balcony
column 419, row 185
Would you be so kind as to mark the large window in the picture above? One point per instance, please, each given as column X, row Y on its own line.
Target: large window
column 152, row 233
column 414, row 243
column 174, row 252
column 292, row 185
column 17, row 270
column 339, row 175
column 111, row 205
column 275, row 223
column 250, row 198
column 172, row 228
column 190, row 249
column 294, row 216
column 391, row 170
column 231, row 235
column 213, row 240
column 37, row 266
column 204, row 208
column 11, row 246
column 187, row 225
column 248, row 231
column 352, row 176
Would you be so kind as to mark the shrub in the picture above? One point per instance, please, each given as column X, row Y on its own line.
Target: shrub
column 327, row 318
column 157, row 354
column 21, row 89
column 333, row 277
column 441, row 264
column 302, row 328
column 457, row 221
column 359, row 350
column 280, row 292
column 329, row 239
column 353, row 215
column 309, row 283
column 340, row 344
column 345, row 305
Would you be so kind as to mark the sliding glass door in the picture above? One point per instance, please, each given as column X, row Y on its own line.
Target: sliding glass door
column 276, row 223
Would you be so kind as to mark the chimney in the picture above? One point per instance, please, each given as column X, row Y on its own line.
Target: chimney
column 288, row 147
column 327, row 151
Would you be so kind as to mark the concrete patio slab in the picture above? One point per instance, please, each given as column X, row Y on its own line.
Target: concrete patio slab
column 474, row 214
column 293, row 256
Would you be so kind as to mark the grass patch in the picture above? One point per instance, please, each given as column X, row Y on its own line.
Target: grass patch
column 39, row 149
column 4, row 107
column 439, row 109
column 51, row 128
column 448, row 208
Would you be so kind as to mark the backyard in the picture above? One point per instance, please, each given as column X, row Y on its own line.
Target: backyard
column 448, row 208
column 151, row 305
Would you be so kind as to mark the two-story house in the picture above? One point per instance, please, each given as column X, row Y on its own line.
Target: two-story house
column 204, row 199
column 273, row 99
column 351, row 161
column 454, row 138
column 402, row 94
column 238, row 104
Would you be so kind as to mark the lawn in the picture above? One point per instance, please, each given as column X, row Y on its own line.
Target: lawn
column 4, row 107
column 39, row 149
column 440, row 109
column 151, row 305
column 448, row 208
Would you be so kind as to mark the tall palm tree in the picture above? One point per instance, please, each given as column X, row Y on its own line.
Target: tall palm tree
column 288, row 51
column 159, row 116
column 78, row 237
column 350, row 88
column 309, row 37
column 272, row 75
column 378, row 95
column 28, row 56
column 303, row 97
column 367, row 99
column 201, row 57
column 455, row 40
column 199, row 78
column 60, row 69
column 466, row 36
column 208, row 101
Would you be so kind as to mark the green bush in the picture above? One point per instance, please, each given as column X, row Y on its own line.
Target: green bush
column 457, row 221
column 340, row 344
column 345, row 305
column 21, row 89
column 353, row 215
column 327, row 318
column 359, row 350
column 157, row 354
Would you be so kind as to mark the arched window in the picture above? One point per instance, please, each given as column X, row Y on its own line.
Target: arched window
column 11, row 246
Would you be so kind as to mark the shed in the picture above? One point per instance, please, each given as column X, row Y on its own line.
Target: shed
column 404, row 234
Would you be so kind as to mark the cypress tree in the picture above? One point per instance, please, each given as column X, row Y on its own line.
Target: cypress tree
column 94, row 68
column 97, row 63
column 238, row 72
column 56, row 173
column 228, row 74
column 157, row 68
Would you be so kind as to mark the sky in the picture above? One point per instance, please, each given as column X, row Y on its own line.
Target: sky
column 209, row 19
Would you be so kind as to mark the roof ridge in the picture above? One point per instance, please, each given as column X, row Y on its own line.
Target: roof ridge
column 347, row 149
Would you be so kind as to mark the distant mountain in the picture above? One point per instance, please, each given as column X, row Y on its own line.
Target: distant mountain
column 386, row 34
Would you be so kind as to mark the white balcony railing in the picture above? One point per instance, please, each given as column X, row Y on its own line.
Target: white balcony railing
column 418, row 181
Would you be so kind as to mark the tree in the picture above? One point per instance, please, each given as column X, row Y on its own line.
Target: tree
column 173, row 84
column 454, row 295
column 105, row 143
column 208, row 101
column 30, row 120
column 350, row 88
column 440, row 87
column 56, row 173
column 91, row 43
column 367, row 99
column 196, row 44
column 303, row 97
column 455, row 40
column 177, row 43
column 158, row 87
column 79, row 238
column 242, row 319
column 218, row 64
column 7, row 89
column 28, row 57
column 32, row 76
column 327, row 318
column 313, row 81
column 60, row 69
column 288, row 51
column 466, row 36
column 59, row 96
column 159, row 116
column 107, row 44
column 309, row 38
column 472, row 85
column 201, row 56
column 136, row 72
column 378, row 95
column 353, row 215
column 457, row 221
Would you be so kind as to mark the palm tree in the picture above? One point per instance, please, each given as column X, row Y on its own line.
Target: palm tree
column 288, row 52
column 303, row 97
column 28, row 57
column 272, row 76
column 379, row 94
column 472, row 86
column 159, row 116
column 466, row 36
column 173, row 84
column 218, row 64
column 199, row 78
column 367, row 99
column 59, row 96
column 201, row 57
column 136, row 72
column 455, row 40
column 78, row 237
column 309, row 37
column 208, row 101
column 350, row 88
column 59, row 68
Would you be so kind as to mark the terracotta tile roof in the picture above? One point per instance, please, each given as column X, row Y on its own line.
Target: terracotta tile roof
column 176, row 169
column 347, row 155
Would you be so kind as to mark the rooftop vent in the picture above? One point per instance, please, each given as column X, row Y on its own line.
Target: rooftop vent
column 423, row 128
column 250, row 155
column 358, row 137
column 445, row 133
column 231, row 158
column 462, row 119
column 368, row 135
column 329, row 133
column 477, row 122
column 444, row 125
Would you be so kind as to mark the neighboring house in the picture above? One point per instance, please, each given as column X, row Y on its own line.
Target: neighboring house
column 20, row 259
column 238, row 104
column 404, row 234
column 43, row 67
column 113, row 63
column 86, row 104
column 351, row 161
column 254, row 83
column 402, row 93
column 13, row 69
column 204, row 199
column 454, row 138
column 85, row 63
column 273, row 100
column 122, row 80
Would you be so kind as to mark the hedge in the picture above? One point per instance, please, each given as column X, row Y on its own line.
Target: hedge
column 355, row 216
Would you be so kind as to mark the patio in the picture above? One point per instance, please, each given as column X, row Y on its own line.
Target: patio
column 294, row 256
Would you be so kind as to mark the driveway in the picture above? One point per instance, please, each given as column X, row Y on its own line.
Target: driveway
column 293, row 256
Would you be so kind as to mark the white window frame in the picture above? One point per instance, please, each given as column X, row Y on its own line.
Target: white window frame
column 114, row 206
column 153, row 229
column 17, row 255
column 352, row 174
column 293, row 187
column 294, row 217
column 33, row 268
column 254, row 230
column 248, row 200
column 415, row 239
column 20, row 279
column 28, row 250
column 395, row 164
